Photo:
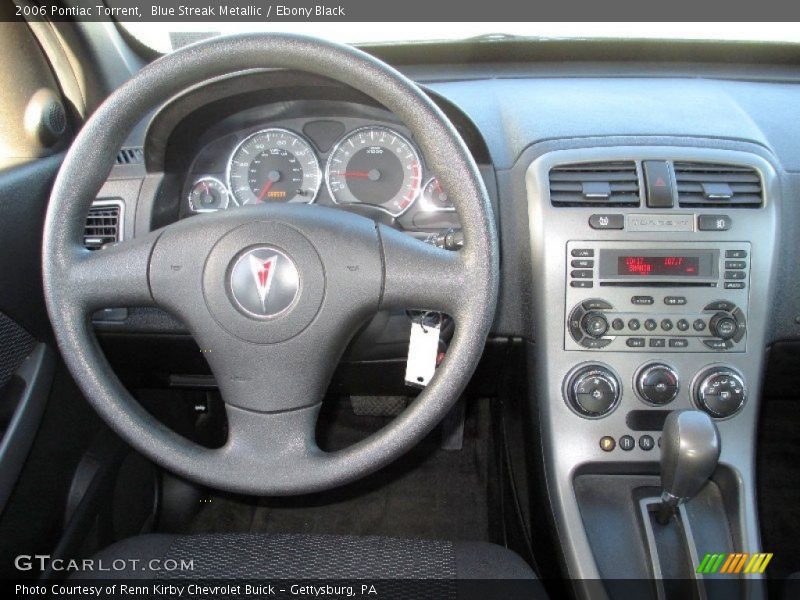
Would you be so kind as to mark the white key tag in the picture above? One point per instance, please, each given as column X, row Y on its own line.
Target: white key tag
column 423, row 349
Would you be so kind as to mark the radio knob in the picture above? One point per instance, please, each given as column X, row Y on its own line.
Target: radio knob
column 723, row 326
column 720, row 392
column 657, row 384
column 594, row 324
column 593, row 391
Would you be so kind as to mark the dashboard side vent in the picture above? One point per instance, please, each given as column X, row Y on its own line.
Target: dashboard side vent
column 590, row 184
column 713, row 184
column 103, row 224
column 130, row 156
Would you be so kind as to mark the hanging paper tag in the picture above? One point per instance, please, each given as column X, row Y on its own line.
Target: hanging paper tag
column 423, row 348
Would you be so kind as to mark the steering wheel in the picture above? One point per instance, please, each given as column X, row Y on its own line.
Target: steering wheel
column 271, row 293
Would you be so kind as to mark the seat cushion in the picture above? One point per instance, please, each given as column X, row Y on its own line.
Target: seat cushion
column 295, row 556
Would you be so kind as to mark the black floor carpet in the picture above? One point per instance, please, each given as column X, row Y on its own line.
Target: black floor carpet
column 779, row 484
column 429, row 493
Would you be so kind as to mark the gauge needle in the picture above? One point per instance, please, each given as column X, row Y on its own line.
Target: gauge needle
column 374, row 174
column 265, row 191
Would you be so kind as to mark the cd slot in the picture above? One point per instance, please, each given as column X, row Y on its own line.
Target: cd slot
column 663, row 284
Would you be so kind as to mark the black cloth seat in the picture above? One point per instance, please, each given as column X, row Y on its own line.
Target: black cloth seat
column 328, row 557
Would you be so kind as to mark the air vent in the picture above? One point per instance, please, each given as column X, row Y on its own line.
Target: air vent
column 712, row 184
column 130, row 156
column 103, row 224
column 601, row 183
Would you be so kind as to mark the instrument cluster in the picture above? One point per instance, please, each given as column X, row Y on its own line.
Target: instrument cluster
column 333, row 161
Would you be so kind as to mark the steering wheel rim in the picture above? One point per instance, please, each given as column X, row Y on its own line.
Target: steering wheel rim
column 270, row 448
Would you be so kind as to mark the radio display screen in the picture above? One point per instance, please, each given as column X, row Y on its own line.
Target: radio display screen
column 655, row 266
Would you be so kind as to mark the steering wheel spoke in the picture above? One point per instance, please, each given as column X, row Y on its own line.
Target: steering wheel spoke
column 420, row 276
column 116, row 276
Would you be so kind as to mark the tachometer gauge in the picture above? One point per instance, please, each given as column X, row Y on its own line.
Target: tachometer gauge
column 434, row 198
column 375, row 166
column 208, row 194
column 274, row 165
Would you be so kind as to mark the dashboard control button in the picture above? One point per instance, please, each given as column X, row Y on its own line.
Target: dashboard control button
column 720, row 392
column 596, row 304
column 593, row 391
column 675, row 300
column 723, row 325
column 657, row 384
column 699, row 325
column 581, row 283
column 735, row 264
column 735, row 253
column 627, row 443
column 647, row 443
column 595, row 343
column 658, row 180
column 658, row 342
column 635, row 342
column 666, row 324
column 714, row 222
column 607, row 443
column 720, row 305
column 581, row 274
column 594, row 324
column 683, row 325
column 650, row 324
column 735, row 274
column 607, row 221
column 634, row 324
column 617, row 324
column 734, row 285
column 642, row 300
column 679, row 343
column 716, row 344
column 582, row 263
column 582, row 252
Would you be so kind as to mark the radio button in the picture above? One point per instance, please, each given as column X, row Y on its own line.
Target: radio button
column 683, row 325
column 595, row 325
column 675, row 300
column 607, row 222
column 635, row 342
column 735, row 253
column 720, row 305
column 595, row 344
column 735, row 274
column 734, row 285
column 714, row 222
column 582, row 252
column 735, row 264
column 650, row 324
column 658, row 342
column 617, row 324
column 581, row 283
column 715, row 344
column 699, row 325
column 596, row 304
column 584, row 263
column 581, row 274
column 679, row 343
column 666, row 325
column 723, row 326
column 642, row 300
column 634, row 324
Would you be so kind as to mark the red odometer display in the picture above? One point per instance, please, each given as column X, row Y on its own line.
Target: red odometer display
column 676, row 266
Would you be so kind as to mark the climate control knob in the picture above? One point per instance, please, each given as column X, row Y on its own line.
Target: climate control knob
column 723, row 325
column 720, row 391
column 593, row 391
column 657, row 384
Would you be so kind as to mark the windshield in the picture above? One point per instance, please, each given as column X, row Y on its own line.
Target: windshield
column 165, row 37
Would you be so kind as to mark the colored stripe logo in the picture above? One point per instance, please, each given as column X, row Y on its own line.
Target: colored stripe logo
column 735, row 563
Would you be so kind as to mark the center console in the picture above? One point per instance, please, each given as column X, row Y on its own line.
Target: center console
column 654, row 268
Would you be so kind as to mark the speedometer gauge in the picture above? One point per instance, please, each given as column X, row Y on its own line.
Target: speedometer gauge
column 274, row 165
column 375, row 166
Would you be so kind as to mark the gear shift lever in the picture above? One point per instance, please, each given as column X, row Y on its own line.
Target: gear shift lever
column 690, row 448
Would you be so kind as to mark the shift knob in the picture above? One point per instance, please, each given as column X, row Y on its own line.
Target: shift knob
column 690, row 448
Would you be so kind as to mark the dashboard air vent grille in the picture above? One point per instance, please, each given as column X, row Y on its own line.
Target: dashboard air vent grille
column 602, row 183
column 102, row 225
column 712, row 184
column 130, row 156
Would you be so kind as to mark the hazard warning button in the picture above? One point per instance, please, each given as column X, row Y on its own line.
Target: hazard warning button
column 658, row 179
